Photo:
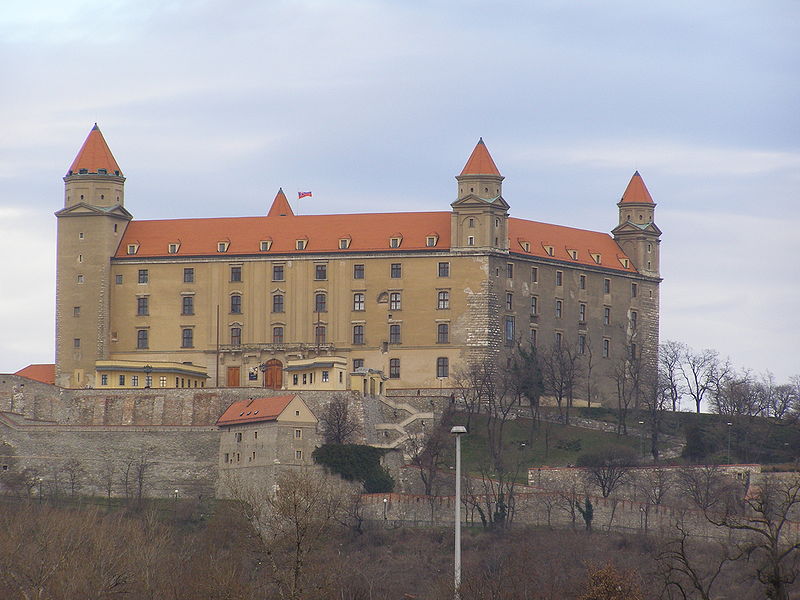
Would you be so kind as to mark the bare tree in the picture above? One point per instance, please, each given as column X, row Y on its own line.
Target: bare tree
column 525, row 379
column 561, row 370
column 108, row 474
column 609, row 467
column 655, row 484
column 626, row 374
column 74, row 473
column 709, row 487
column 427, row 450
column 338, row 424
column 698, row 370
column 670, row 357
column 467, row 393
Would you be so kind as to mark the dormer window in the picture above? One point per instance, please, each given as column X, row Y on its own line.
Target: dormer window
column 344, row 243
column 222, row 246
column 431, row 241
column 83, row 171
column 625, row 262
column 596, row 257
column 265, row 245
column 300, row 244
column 102, row 171
column 133, row 248
column 394, row 242
column 550, row 250
column 573, row 254
column 173, row 248
column 526, row 246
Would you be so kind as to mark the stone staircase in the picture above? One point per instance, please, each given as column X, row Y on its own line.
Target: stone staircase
column 399, row 429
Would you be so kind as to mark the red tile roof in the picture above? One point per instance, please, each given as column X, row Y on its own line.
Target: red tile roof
column 280, row 206
column 637, row 191
column 480, row 162
column 255, row 410
column 42, row 373
column 93, row 155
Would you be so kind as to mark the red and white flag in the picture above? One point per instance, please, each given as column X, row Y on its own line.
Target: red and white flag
column 303, row 195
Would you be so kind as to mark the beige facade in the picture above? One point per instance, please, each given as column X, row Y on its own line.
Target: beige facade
column 412, row 295
column 119, row 374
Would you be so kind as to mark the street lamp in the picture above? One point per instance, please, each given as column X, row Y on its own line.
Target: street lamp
column 641, row 435
column 385, row 502
column 730, row 425
column 458, row 431
column 148, row 379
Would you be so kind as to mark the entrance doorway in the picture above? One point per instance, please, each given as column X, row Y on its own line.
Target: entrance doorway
column 232, row 379
column 273, row 375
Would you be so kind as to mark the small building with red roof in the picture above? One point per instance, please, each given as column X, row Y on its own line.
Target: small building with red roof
column 413, row 296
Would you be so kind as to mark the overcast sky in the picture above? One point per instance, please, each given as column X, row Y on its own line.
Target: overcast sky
column 209, row 106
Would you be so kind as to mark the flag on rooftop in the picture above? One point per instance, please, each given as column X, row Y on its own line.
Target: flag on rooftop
column 303, row 195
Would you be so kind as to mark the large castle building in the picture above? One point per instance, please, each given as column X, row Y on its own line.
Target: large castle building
column 276, row 300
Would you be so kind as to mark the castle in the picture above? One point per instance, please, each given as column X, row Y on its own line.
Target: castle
column 275, row 301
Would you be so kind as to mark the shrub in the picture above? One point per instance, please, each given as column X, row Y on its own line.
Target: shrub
column 355, row 462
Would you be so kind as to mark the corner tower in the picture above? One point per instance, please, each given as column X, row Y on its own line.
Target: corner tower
column 480, row 215
column 637, row 233
column 90, row 227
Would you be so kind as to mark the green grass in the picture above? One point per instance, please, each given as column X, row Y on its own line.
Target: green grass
column 552, row 445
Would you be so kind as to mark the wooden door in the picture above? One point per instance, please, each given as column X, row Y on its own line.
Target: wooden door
column 233, row 377
column 273, row 376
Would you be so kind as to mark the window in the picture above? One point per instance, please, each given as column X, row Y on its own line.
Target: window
column 222, row 246
column 172, row 248
column 142, row 306
column 394, row 301
column 277, row 303
column 430, row 241
column 470, row 240
column 188, row 275
column 132, row 248
column 534, row 306
column 581, row 344
column 442, row 367
column 236, row 336
column 581, row 312
column 344, row 244
column 141, row 339
column 534, row 274
column 236, row 274
column 122, row 379
column 509, row 330
column 187, row 338
column 162, row 381
column 188, row 305
column 606, row 315
column 104, row 379
column 634, row 319
column 443, row 301
column 444, row 269
column 358, row 363
column 320, row 302
column 298, row 454
column 394, row 242
column 148, row 381
column 320, row 272
column 118, row 279
column 583, row 282
column 443, row 333
column 358, row 271
column 606, row 286
column 394, row 368
column 294, row 379
column 472, row 223
column 319, row 334
column 559, row 278
column 649, row 247
column 396, row 271
column 76, row 311
column 300, row 244
column 549, row 249
column 596, row 258
column 394, row 333
column 559, row 308
column 358, row 301
column 135, row 380
column 236, row 304
column 533, row 337
column 634, row 290
column 557, row 339
column 265, row 245
column 298, row 434
column 509, row 301
column 76, row 343
column 277, row 272
column 358, row 335
column 510, row 271
column 573, row 254
column 606, row 348
column 632, row 351
column 277, row 334
column 143, row 276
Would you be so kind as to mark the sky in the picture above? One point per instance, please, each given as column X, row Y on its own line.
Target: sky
column 210, row 106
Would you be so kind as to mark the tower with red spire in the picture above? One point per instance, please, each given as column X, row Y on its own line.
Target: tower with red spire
column 480, row 214
column 637, row 233
column 90, row 227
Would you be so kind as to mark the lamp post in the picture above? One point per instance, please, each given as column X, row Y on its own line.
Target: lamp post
column 641, row 435
column 148, row 379
column 385, row 502
column 730, row 425
column 458, row 431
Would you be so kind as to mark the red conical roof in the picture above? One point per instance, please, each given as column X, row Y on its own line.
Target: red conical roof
column 280, row 206
column 636, row 192
column 480, row 162
column 94, row 155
